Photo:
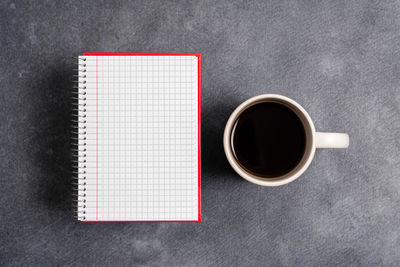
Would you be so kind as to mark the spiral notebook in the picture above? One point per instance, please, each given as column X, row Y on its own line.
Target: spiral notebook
column 137, row 137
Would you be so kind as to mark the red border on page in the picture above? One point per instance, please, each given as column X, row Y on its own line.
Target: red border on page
column 198, row 55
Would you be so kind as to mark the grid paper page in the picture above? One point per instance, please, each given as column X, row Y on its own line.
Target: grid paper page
column 142, row 138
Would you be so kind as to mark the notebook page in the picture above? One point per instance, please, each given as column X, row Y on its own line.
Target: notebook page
column 142, row 138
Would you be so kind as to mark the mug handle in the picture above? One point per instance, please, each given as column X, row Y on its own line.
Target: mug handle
column 331, row 140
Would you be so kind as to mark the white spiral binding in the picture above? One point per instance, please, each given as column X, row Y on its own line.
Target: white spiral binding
column 79, row 140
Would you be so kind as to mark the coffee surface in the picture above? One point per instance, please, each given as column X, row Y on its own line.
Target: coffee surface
column 268, row 139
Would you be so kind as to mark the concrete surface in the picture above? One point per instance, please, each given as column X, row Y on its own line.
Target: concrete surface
column 339, row 59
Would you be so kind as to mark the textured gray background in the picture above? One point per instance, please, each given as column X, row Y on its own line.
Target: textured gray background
column 340, row 60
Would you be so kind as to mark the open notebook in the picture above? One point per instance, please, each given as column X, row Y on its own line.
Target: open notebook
column 138, row 137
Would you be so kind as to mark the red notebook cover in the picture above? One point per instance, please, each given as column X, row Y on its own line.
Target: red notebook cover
column 198, row 55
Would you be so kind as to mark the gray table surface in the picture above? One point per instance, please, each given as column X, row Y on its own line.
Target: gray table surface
column 339, row 59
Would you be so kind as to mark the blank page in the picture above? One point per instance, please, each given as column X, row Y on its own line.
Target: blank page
column 142, row 137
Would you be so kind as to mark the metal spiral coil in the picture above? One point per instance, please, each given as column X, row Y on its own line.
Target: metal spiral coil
column 78, row 130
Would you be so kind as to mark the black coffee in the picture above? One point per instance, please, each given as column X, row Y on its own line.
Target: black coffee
column 268, row 139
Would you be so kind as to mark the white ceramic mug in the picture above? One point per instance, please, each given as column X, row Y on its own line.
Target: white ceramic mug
column 313, row 140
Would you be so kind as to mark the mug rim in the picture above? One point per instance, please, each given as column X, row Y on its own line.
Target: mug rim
column 276, row 181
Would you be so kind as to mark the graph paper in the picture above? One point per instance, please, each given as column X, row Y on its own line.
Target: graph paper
column 141, row 126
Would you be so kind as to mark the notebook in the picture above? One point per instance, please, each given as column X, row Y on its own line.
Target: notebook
column 137, row 137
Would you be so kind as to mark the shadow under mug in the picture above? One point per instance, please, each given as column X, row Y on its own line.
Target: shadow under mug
column 313, row 140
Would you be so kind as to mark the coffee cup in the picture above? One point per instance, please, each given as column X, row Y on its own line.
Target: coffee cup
column 270, row 140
